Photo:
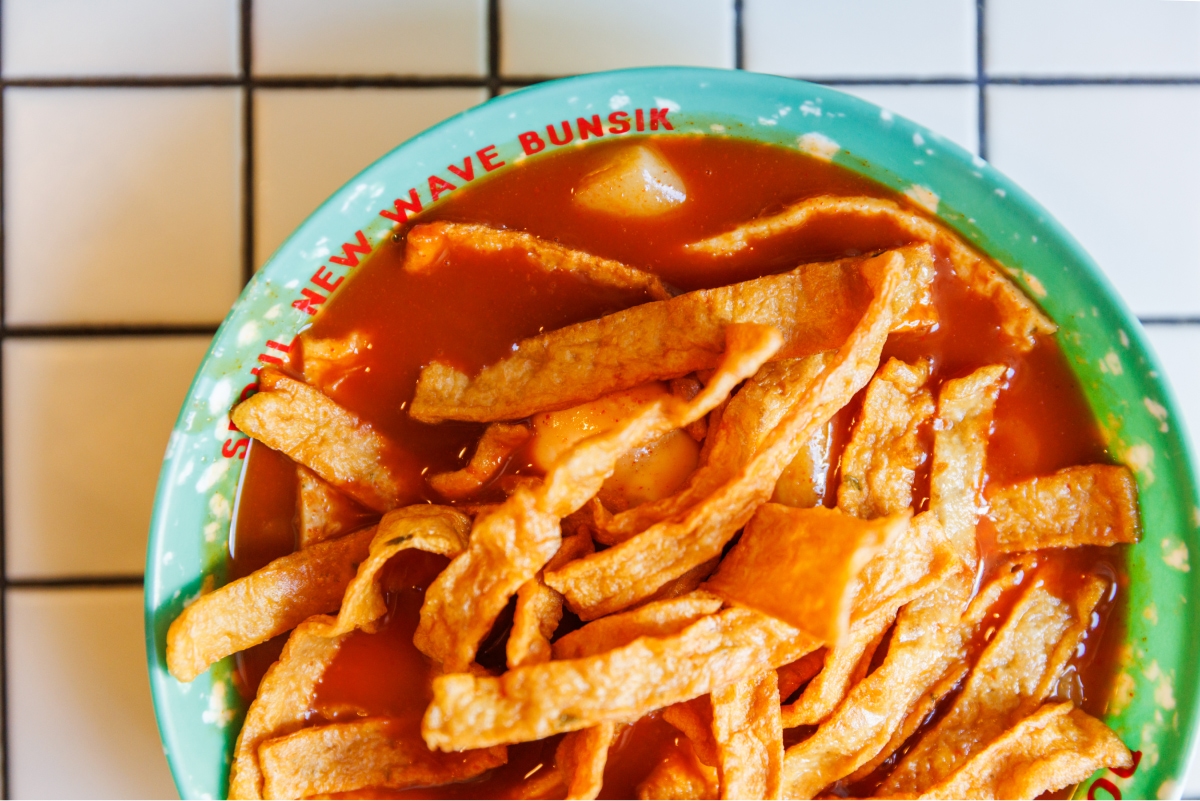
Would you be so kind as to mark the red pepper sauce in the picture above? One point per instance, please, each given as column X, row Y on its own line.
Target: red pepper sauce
column 472, row 308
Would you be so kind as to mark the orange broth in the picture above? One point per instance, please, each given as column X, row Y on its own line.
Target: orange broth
column 472, row 308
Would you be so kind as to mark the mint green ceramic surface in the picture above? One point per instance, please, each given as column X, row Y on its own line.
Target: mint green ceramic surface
column 1157, row 684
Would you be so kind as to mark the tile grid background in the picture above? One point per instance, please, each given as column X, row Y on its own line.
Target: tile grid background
column 60, row 596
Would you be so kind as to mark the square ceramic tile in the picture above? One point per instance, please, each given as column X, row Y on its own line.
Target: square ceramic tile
column 44, row 38
column 1178, row 347
column 86, row 423
column 80, row 721
column 952, row 111
column 370, row 37
column 304, row 150
column 1093, row 37
column 860, row 38
column 1119, row 167
column 562, row 37
column 122, row 205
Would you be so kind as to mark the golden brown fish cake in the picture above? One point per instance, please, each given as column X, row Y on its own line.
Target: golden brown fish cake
column 816, row 553
column 427, row 245
column 376, row 752
column 748, row 734
column 301, row 422
column 511, row 544
column 1022, row 321
column 814, row 306
column 1093, row 504
column 495, row 448
column 264, row 604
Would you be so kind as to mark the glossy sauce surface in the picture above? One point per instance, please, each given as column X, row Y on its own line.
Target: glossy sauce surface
column 472, row 308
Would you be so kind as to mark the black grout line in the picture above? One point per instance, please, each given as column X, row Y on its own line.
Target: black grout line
column 107, row 331
column 498, row 80
column 1097, row 80
column 76, row 582
column 258, row 82
column 493, row 48
column 4, row 760
column 739, row 35
column 247, row 66
column 981, row 76
column 4, row 740
column 366, row 81
column 1184, row 320
column 121, row 81
column 885, row 81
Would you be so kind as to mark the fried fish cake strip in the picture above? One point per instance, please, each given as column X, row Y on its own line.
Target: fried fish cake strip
column 1053, row 748
column 745, row 421
column 512, row 543
column 695, row 719
column 876, row 706
column 529, row 703
column 495, row 448
column 508, row 547
column 748, row 734
column 427, row 244
column 1093, row 504
column 843, row 666
column 955, row 661
column 424, row 527
column 908, row 568
column 917, row 717
column 379, row 753
column 303, row 423
column 581, row 758
column 814, row 306
column 815, row 553
column 328, row 361
column 795, row 675
column 964, row 422
column 680, row 775
column 931, row 629
column 579, row 763
column 264, row 604
column 283, row 699
column 880, row 461
column 904, row 571
column 324, row 512
column 1013, row 675
column 689, row 582
column 539, row 608
column 634, row 569
column 1021, row 321
column 878, row 469
column 657, row 619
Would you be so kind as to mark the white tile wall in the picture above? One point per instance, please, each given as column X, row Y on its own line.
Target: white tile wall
column 304, row 150
column 369, row 37
column 87, row 420
column 861, row 38
column 102, row 180
column 102, row 186
column 561, row 37
column 79, row 699
column 1119, row 167
column 1093, row 37
column 119, row 37
column 952, row 111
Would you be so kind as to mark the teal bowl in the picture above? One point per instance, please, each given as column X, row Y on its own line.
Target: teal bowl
column 1122, row 379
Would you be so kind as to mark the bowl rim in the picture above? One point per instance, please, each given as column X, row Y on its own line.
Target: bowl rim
column 815, row 111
